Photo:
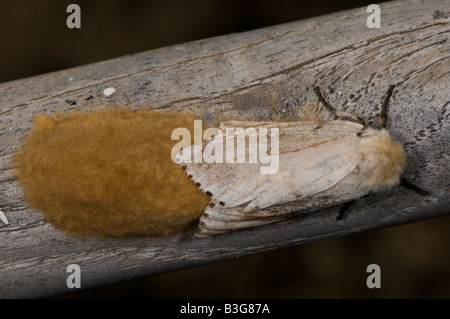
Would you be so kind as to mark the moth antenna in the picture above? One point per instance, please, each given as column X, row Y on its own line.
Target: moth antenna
column 324, row 102
column 336, row 114
column 384, row 108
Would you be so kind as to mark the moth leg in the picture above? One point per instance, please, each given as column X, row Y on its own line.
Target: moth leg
column 336, row 113
column 343, row 210
column 345, row 207
column 384, row 108
column 414, row 188
column 403, row 182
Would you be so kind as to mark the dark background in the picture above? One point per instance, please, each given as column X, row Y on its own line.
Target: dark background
column 414, row 259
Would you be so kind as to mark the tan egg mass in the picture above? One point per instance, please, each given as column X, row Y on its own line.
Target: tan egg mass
column 109, row 173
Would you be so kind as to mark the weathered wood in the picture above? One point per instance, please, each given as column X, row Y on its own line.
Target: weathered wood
column 258, row 75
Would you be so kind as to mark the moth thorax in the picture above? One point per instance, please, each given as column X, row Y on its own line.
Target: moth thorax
column 382, row 160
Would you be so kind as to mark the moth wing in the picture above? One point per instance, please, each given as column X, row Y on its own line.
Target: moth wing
column 245, row 124
column 243, row 203
column 217, row 219
column 309, row 133
column 301, row 173
column 313, row 157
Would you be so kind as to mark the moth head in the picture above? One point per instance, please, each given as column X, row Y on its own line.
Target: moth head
column 383, row 159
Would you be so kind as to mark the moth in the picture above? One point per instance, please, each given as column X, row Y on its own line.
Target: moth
column 321, row 164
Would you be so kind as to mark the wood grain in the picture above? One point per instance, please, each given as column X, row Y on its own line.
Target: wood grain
column 264, row 74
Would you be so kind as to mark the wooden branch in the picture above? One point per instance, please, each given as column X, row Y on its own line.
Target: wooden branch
column 259, row 75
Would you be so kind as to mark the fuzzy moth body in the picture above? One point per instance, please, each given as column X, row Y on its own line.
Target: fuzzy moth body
column 321, row 163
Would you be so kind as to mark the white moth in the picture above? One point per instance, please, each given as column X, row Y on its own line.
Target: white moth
column 321, row 163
